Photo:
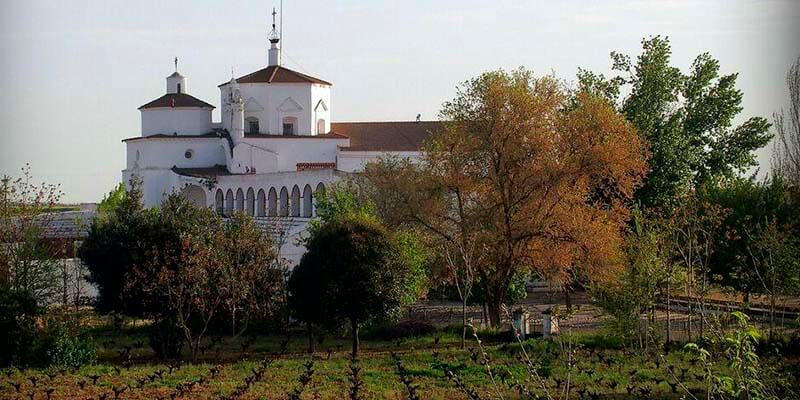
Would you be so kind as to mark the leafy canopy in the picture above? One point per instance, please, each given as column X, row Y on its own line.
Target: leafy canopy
column 353, row 270
column 686, row 118
column 526, row 173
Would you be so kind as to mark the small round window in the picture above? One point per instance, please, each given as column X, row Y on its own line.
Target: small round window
column 188, row 154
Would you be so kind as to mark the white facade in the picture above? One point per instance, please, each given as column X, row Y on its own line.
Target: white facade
column 172, row 121
column 271, row 152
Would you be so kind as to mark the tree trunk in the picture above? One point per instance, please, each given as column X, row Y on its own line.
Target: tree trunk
column 354, row 328
column 463, row 323
column 567, row 297
column 494, row 307
column 233, row 321
column 669, row 311
column 310, row 337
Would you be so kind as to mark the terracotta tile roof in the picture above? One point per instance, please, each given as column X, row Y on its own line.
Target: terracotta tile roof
column 329, row 135
column 313, row 166
column 66, row 225
column 385, row 136
column 176, row 100
column 163, row 136
column 217, row 170
column 278, row 74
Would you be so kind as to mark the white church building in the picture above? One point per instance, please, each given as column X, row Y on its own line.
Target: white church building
column 274, row 148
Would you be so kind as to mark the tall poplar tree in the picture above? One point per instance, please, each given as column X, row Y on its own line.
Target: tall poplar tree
column 686, row 118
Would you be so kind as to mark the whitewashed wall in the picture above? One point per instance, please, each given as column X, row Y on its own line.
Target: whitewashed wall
column 183, row 121
column 169, row 152
column 271, row 97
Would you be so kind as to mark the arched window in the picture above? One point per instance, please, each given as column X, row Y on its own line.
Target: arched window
column 252, row 125
column 272, row 203
column 229, row 202
column 250, row 206
column 308, row 210
column 295, row 201
column 261, row 203
column 219, row 202
column 321, row 126
column 239, row 200
column 283, row 204
column 289, row 125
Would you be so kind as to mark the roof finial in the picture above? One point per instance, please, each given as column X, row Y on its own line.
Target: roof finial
column 274, row 36
column 176, row 64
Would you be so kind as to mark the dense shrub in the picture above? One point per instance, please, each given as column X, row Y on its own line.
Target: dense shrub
column 18, row 311
column 118, row 240
column 400, row 330
column 517, row 290
column 60, row 348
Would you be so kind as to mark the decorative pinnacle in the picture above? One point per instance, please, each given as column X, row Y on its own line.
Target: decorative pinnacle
column 176, row 64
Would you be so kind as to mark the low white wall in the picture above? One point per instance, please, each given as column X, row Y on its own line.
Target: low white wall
column 355, row 161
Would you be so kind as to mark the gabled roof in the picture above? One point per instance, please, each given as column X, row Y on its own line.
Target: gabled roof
column 176, row 100
column 277, row 74
column 386, row 136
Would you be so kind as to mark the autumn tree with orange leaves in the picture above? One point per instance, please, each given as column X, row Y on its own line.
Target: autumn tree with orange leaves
column 525, row 174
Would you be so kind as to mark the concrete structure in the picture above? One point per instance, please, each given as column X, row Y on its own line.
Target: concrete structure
column 274, row 148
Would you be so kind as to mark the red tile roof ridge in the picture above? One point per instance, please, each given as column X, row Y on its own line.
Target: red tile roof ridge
column 176, row 100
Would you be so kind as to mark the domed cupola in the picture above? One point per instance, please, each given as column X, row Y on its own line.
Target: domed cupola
column 177, row 112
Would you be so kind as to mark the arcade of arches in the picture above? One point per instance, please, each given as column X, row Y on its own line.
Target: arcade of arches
column 272, row 202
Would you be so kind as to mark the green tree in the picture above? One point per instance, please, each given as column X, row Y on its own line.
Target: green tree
column 220, row 267
column 350, row 198
column 775, row 258
column 306, row 301
column 111, row 201
column 115, row 244
column 751, row 205
column 641, row 282
column 360, row 270
column 687, row 119
column 18, row 314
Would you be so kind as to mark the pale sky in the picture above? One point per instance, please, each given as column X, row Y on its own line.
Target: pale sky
column 72, row 73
